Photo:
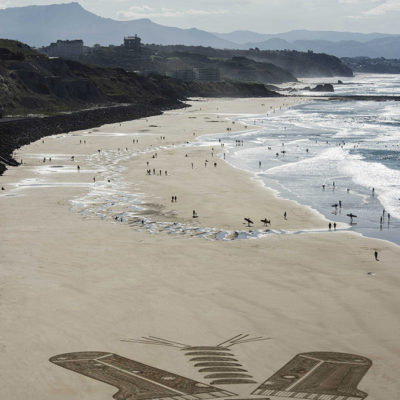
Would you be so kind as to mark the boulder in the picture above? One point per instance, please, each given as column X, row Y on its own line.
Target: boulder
column 327, row 87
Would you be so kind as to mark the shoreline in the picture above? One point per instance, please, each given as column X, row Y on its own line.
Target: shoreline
column 84, row 283
column 255, row 176
column 247, row 159
column 33, row 128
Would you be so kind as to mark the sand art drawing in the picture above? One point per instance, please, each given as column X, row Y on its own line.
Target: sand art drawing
column 217, row 363
column 313, row 375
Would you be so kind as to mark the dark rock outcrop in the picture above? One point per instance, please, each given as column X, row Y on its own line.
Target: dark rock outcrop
column 326, row 87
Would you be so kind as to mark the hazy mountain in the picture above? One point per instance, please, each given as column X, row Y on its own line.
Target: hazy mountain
column 40, row 25
column 273, row 44
column 244, row 37
column 388, row 47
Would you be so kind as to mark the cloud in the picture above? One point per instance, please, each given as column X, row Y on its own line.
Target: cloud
column 358, row 1
column 5, row 3
column 150, row 12
column 386, row 7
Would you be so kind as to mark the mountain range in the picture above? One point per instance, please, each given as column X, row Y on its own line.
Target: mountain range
column 40, row 25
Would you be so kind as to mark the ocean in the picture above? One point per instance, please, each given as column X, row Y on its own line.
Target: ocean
column 338, row 157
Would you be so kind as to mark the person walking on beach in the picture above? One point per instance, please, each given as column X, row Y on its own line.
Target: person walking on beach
column 334, row 226
column 330, row 226
column 78, row 168
column 376, row 256
column 284, row 215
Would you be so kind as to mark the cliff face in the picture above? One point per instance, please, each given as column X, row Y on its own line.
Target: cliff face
column 30, row 82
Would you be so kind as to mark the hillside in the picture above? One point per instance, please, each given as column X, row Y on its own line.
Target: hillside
column 304, row 64
column 167, row 60
column 245, row 37
column 32, row 82
column 373, row 65
column 40, row 25
column 298, row 64
column 388, row 47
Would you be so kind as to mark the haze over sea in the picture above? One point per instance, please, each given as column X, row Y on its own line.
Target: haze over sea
column 351, row 145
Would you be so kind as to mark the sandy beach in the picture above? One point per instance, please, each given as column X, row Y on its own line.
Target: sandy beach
column 96, row 255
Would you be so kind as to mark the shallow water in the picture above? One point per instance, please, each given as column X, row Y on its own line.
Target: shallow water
column 350, row 147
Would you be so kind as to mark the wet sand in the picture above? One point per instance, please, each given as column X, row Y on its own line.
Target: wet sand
column 73, row 278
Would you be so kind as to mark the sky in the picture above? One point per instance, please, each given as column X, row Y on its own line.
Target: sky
column 264, row 16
